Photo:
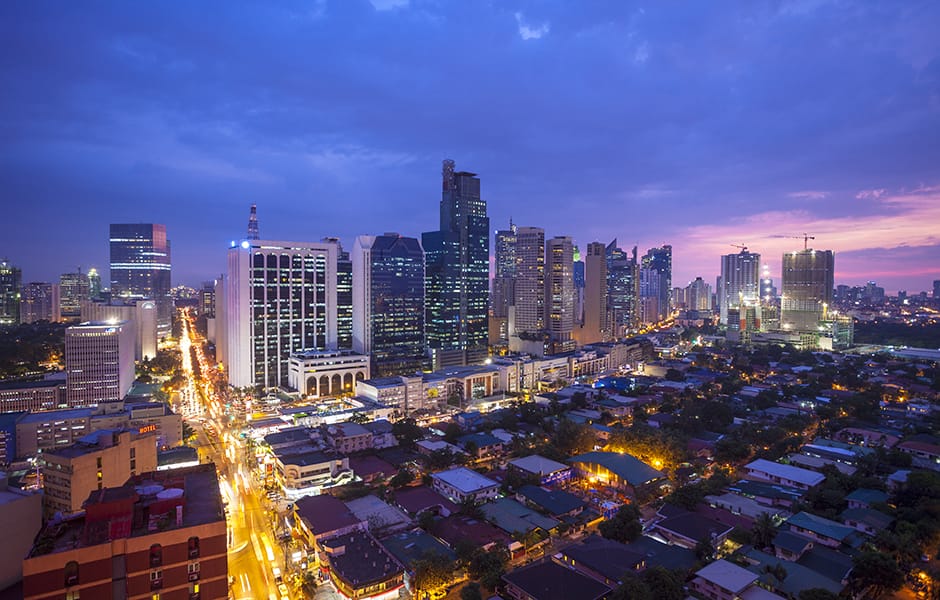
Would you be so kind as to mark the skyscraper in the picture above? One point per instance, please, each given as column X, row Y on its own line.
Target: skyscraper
column 39, row 302
column 578, row 275
column 279, row 298
column 344, row 295
column 94, row 284
column 623, row 288
column 806, row 293
column 505, row 276
column 651, row 297
column 140, row 267
column 936, row 289
column 595, row 327
column 254, row 233
column 529, row 313
column 660, row 260
column 699, row 295
column 559, row 292
column 768, row 291
column 74, row 288
column 740, row 281
column 457, row 271
column 388, row 303
column 99, row 362
column 11, row 279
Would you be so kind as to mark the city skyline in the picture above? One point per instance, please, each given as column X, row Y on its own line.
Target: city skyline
column 701, row 130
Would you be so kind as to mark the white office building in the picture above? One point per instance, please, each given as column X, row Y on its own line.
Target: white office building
column 99, row 362
column 318, row 373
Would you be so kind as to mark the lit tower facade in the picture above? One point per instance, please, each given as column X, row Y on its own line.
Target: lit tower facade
column 278, row 298
column 740, row 281
column 140, row 267
column 254, row 233
column 623, row 288
column 806, row 293
column 595, row 294
column 457, row 271
column 529, row 313
column 388, row 303
column 559, row 292
column 11, row 279
column 505, row 276
column 74, row 288
column 40, row 302
column 660, row 260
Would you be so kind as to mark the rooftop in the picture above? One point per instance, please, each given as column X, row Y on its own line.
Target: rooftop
column 555, row 502
column 762, row 489
column 624, row 466
column 821, row 526
column 359, row 559
column 48, row 416
column 789, row 472
column 455, row 528
column 304, row 459
column 867, row 496
column 727, row 575
column 513, row 517
column 288, row 436
column 414, row 545
column 417, row 499
column 324, row 514
column 378, row 514
column 549, row 580
column 538, row 464
column 465, row 480
column 791, row 542
column 347, row 429
column 606, row 557
column 694, row 526
column 25, row 385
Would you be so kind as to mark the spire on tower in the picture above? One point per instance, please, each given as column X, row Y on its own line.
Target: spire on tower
column 253, row 232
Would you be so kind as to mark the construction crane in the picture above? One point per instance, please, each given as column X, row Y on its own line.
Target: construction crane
column 805, row 237
column 743, row 248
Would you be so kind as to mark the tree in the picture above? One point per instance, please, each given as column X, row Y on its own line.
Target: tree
column 764, row 531
column 664, row 584
column 632, row 588
column 432, row 571
column 402, row 478
column 359, row 417
column 471, row 591
column 704, row 550
column 624, row 527
column 674, row 375
column 407, row 432
column 488, row 567
column 876, row 572
column 572, row 438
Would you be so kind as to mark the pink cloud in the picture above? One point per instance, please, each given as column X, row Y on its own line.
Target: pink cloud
column 870, row 194
column 808, row 195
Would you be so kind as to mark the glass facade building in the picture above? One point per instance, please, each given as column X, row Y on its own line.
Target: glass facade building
column 140, row 267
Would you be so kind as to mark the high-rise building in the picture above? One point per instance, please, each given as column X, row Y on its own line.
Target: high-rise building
column 94, row 284
column 207, row 299
column 457, row 271
column 140, row 267
column 279, row 298
column 140, row 314
column 806, row 290
column 660, row 260
column 39, row 302
column 99, row 362
column 936, row 289
column 768, row 291
column 595, row 328
column 74, row 288
column 388, row 303
column 159, row 535
column 344, row 296
column 578, row 275
column 11, row 279
column 740, row 281
column 529, row 302
column 254, row 233
column 623, row 289
column 559, row 292
column 505, row 277
column 652, row 308
column 699, row 295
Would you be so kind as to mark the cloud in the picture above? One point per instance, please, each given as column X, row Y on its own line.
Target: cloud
column 389, row 4
column 642, row 53
column 531, row 32
column 808, row 195
column 870, row 194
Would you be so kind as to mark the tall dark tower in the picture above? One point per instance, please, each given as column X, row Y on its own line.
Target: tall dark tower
column 253, row 231
column 140, row 267
column 457, row 273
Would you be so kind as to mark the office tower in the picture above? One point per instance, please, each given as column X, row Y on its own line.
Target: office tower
column 140, row 267
column 660, row 261
column 559, row 292
column 39, row 302
column 806, row 293
column 388, row 303
column 699, row 295
column 529, row 315
column 652, row 309
column 623, row 289
column 936, row 289
column 207, row 299
column 159, row 535
column 457, row 272
column 99, row 362
column 768, row 291
column 140, row 314
column 578, row 275
column 279, row 298
column 94, row 284
column 505, row 276
column 74, row 288
column 740, row 281
column 11, row 279
column 344, row 297
column 100, row 459
column 678, row 298
column 254, row 233
column 595, row 327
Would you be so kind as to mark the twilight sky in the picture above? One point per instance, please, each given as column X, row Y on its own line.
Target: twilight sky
column 701, row 124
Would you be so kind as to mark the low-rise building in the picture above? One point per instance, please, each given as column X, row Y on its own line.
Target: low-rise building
column 322, row 517
column 865, row 498
column 361, row 568
column 551, row 580
column 722, row 580
column 316, row 373
column 309, row 473
column 483, row 445
column 547, row 471
column 103, row 459
column 689, row 529
column 788, row 475
column 461, row 484
column 616, row 470
column 556, row 503
column 821, row 530
column 348, row 437
column 20, row 521
column 45, row 394
column 160, row 534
